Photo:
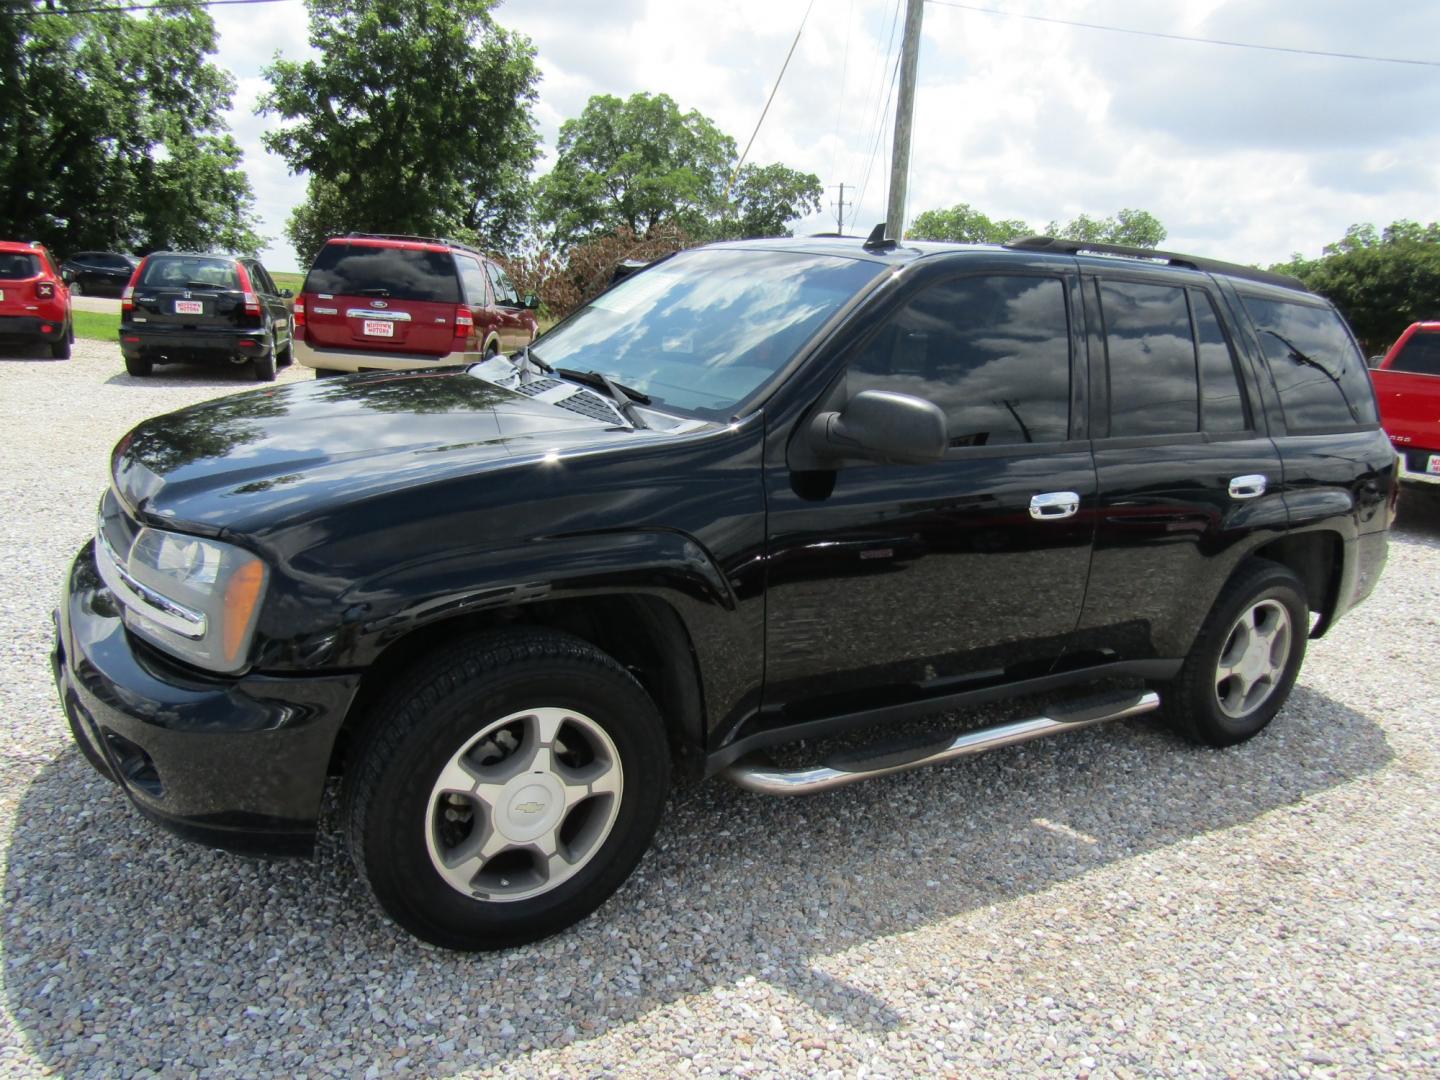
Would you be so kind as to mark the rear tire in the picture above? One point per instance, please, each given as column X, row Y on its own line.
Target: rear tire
column 505, row 790
column 264, row 366
column 60, row 350
column 138, row 366
column 327, row 372
column 1245, row 659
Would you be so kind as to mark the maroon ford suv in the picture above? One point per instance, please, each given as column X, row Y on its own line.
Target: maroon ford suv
column 376, row 302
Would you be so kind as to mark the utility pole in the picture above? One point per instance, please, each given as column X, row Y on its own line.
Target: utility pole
column 904, row 110
column 840, row 207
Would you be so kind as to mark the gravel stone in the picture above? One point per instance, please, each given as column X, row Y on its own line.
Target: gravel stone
column 1111, row 903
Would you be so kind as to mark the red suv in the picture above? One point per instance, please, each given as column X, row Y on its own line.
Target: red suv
column 34, row 301
column 377, row 302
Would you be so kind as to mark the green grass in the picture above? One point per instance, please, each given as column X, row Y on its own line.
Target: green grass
column 288, row 281
column 96, row 325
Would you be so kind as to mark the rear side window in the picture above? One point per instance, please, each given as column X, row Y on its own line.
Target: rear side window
column 992, row 352
column 181, row 271
column 15, row 264
column 1151, row 353
column 1316, row 366
column 474, row 279
column 390, row 273
column 1420, row 355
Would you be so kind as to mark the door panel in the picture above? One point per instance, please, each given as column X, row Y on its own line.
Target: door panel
column 906, row 582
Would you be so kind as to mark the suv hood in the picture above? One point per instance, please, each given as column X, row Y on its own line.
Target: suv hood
column 279, row 452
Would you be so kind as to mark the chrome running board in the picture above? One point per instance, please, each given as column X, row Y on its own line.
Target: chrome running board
column 847, row 768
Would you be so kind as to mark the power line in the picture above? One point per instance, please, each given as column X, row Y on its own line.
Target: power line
column 773, row 91
column 882, row 102
column 178, row 5
column 879, row 132
column 1186, row 37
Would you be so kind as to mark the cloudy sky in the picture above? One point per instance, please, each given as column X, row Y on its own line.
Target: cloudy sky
column 1243, row 154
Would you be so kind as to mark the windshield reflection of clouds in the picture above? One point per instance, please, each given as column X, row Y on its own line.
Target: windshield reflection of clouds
column 706, row 328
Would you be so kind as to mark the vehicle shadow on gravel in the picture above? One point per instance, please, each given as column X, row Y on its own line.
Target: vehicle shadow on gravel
column 1418, row 519
column 192, row 375
column 120, row 940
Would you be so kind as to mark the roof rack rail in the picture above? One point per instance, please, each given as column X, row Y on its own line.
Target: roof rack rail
column 1189, row 262
column 409, row 236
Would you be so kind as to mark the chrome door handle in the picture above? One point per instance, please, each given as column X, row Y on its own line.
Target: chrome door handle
column 1054, row 505
column 1248, row 487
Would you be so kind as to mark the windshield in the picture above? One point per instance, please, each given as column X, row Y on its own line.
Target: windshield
column 705, row 329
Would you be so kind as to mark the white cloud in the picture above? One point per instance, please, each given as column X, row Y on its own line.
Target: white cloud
column 1243, row 154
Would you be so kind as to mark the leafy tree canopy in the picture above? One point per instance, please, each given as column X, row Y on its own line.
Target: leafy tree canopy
column 963, row 224
column 112, row 134
column 641, row 163
column 1382, row 280
column 415, row 117
column 1136, row 228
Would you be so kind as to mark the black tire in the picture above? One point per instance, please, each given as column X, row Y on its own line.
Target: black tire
column 327, row 372
column 264, row 366
column 493, row 349
column 138, row 366
column 415, row 733
column 76, row 288
column 286, row 356
column 60, row 350
column 1262, row 590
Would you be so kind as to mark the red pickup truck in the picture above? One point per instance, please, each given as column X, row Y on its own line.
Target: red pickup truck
column 1407, row 385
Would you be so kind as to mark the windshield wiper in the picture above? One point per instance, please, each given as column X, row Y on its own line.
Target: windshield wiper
column 1300, row 358
column 202, row 285
column 623, row 396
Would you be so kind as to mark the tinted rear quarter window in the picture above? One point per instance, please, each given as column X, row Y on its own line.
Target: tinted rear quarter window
column 1317, row 368
column 386, row 272
column 15, row 264
column 1421, row 355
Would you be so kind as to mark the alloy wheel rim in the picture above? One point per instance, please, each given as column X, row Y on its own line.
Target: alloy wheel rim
column 523, row 805
column 1252, row 663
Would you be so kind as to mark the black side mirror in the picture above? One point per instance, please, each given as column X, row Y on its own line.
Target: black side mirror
column 883, row 426
column 1375, row 361
column 531, row 302
column 286, row 294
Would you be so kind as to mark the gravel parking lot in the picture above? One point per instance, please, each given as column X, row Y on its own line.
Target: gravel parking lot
column 1109, row 903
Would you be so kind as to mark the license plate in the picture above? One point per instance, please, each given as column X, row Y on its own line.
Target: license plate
column 379, row 328
column 1433, row 465
column 189, row 307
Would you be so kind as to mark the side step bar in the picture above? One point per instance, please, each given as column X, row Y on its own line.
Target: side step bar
column 847, row 768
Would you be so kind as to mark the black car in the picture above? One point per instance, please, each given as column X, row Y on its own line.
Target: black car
column 99, row 273
column 757, row 493
column 188, row 308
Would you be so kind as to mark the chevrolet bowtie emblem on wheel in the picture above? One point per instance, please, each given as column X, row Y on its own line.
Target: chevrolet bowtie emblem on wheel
column 529, row 807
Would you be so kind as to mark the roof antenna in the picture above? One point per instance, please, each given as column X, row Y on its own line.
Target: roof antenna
column 876, row 240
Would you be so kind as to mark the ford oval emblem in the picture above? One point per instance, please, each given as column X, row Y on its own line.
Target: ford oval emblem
column 378, row 303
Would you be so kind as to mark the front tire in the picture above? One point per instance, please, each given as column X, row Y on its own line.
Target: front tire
column 1245, row 659
column 505, row 790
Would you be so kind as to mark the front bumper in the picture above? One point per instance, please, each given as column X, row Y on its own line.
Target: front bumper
column 236, row 763
column 31, row 328
column 219, row 344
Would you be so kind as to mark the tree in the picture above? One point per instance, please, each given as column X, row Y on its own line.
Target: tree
column 1136, row 228
column 963, row 224
column 112, row 133
column 641, row 163
column 415, row 117
column 1381, row 280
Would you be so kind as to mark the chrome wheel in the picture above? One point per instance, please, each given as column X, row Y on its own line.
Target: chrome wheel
column 1252, row 663
column 523, row 805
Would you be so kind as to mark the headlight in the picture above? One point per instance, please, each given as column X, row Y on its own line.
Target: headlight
column 197, row 599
